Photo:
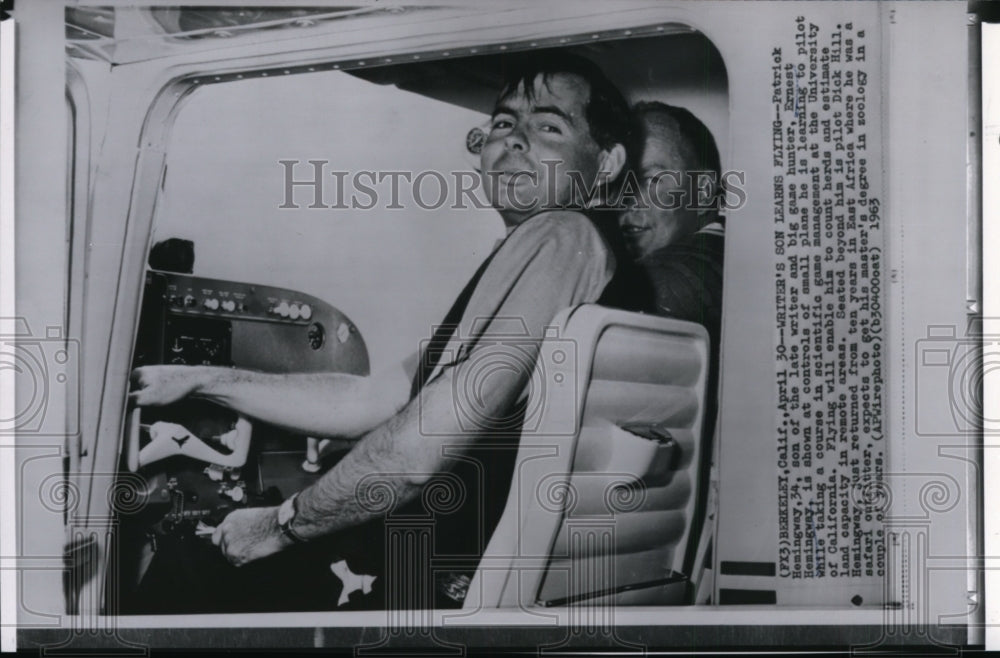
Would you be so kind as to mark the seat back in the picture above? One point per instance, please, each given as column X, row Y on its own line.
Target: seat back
column 610, row 467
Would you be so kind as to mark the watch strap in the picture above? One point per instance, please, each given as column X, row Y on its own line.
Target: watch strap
column 286, row 527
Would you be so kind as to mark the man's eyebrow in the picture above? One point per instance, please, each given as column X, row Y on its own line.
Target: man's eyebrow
column 538, row 109
column 552, row 109
column 503, row 109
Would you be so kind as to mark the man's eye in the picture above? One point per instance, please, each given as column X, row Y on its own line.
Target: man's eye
column 501, row 124
column 551, row 128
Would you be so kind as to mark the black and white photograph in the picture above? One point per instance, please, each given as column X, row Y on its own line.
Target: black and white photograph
column 456, row 326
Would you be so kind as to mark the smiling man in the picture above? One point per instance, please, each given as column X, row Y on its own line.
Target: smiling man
column 554, row 139
column 558, row 126
column 674, row 232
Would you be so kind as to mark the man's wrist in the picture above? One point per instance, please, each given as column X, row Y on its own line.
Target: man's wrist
column 202, row 378
column 285, row 540
column 288, row 514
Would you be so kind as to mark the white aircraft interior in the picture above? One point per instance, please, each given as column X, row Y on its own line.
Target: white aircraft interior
column 239, row 270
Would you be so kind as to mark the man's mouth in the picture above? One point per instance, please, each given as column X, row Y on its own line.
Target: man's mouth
column 508, row 166
column 634, row 229
column 516, row 177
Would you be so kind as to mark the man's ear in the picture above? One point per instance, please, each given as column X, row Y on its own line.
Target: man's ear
column 611, row 164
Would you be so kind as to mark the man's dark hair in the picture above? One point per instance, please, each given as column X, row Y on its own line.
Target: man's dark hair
column 695, row 139
column 606, row 110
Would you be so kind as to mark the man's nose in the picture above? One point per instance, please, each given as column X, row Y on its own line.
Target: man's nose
column 516, row 140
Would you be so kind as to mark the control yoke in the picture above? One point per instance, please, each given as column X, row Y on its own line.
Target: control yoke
column 170, row 439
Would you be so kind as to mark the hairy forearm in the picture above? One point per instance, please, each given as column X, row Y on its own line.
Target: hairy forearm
column 389, row 466
column 317, row 404
column 384, row 470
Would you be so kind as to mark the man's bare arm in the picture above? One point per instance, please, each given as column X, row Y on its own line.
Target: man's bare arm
column 398, row 457
column 316, row 404
column 386, row 468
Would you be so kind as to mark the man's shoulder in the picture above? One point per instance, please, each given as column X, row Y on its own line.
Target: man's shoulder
column 558, row 223
column 564, row 243
column 693, row 265
column 560, row 231
column 683, row 280
column 702, row 246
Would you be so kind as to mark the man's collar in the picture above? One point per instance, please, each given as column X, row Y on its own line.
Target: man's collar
column 714, row 228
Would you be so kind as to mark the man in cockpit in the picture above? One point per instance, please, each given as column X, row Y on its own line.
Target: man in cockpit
column 673, row 231
column 558, row 122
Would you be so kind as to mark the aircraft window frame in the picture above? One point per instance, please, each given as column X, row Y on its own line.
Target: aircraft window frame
column 78, row 190
column 168, row 102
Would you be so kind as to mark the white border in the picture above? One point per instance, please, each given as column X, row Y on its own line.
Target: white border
column 6, row 280
column 991, row 318
column 8, row 542
column 549, row 618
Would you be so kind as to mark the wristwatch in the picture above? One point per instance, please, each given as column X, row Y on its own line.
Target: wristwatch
column 286, row 517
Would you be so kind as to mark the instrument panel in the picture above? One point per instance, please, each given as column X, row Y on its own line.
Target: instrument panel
column 194, row 320
column 197, row 461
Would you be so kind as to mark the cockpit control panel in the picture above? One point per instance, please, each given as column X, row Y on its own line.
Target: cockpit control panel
column 195, row 461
